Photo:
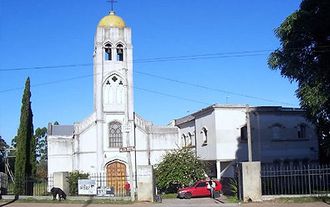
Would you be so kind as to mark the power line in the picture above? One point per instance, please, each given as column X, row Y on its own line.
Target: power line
column 159, row 59
column 213, row 89
column 160, row 93
column 45, row 67
column 170, row 95
column 151, row 60
column 91, row 75
column 237, row 54
column 48, row 83
column 205, row 56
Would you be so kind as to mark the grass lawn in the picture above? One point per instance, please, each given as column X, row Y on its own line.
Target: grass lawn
column 90, row 201
column 169, row 195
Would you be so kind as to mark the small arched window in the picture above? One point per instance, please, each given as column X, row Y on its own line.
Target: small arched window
column 189, row 140
column 115, row 134
column 120, row 52
column 204, row 136
column 183, row 139
column 107, row 52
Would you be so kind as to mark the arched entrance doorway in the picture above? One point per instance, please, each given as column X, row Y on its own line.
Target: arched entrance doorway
column 116, row 177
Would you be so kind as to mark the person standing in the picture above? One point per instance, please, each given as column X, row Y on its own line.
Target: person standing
column 212, row 188
column 210, row 185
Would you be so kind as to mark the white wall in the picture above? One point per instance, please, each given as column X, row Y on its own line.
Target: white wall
column 207, row 120
column 59, row 154
column 87, row 140
column 163, row 140
column 228, row 129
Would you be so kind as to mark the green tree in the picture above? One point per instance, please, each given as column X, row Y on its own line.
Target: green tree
column 40, row 135
column 179, row 167
column 25, row 146
column 304, row 57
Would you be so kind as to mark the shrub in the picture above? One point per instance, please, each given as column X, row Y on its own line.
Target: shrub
column 178, row 167
column 73, row 181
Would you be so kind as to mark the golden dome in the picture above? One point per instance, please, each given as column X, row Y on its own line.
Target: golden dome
column 112, row 20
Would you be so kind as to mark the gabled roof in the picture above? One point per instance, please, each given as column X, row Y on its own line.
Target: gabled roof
column 60, row 130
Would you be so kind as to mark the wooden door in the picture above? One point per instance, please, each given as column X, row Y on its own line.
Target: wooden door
column 116, row 177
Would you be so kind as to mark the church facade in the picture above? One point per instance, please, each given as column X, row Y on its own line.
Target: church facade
column 113, row 140
column 116, row 141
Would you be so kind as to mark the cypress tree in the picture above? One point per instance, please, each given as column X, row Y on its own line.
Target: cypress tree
column 25, row 147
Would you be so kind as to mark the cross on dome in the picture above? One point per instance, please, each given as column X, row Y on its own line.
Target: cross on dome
column 112, row 2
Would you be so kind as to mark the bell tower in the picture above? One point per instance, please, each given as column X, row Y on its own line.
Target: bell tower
column 113, row 86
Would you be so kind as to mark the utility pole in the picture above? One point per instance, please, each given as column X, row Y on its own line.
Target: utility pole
column 248, row 126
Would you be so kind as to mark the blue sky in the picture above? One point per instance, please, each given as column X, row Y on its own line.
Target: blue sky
column 36, row 33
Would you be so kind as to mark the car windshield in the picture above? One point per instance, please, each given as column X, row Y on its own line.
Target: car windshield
column 192, row 184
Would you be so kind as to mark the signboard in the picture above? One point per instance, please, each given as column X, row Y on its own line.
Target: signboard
column 127, row 149
column 86, row 187
column 105, row 191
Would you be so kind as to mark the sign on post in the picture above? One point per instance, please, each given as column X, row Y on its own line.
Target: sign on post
column 127, row 149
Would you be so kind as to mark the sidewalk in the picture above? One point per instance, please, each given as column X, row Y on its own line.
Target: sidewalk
column 277, row 204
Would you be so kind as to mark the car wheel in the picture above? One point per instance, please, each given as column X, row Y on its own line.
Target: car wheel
column 187, row 195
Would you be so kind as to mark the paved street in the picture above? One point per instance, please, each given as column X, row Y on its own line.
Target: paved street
column 165, row 203
column 172, row 203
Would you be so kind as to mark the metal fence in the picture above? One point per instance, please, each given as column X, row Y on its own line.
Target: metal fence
column 40, row 187
column 295, row 180
column 113, row 186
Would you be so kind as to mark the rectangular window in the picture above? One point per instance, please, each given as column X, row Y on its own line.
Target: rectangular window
column 301, row 131
column 244, row 133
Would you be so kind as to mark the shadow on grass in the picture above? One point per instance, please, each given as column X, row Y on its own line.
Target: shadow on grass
column 326, row 200
column 12, row 201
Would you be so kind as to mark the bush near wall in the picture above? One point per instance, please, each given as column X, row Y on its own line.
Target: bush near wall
column 73, row 181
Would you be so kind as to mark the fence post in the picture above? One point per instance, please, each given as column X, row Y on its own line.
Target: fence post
column 239, row 181
column 309, row 180
column 251, row 174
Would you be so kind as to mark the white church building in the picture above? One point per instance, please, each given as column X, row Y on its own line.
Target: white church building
column 114, row 140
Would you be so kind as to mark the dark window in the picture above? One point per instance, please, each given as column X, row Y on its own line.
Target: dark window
column 200, row 185
column 301, row 131
column 189, row 139
column 115, row 134
column 107, row 51
column 204, row 136
column 244, row 133
column 120, row 52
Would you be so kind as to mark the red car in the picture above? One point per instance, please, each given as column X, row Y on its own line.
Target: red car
column 198, row 189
